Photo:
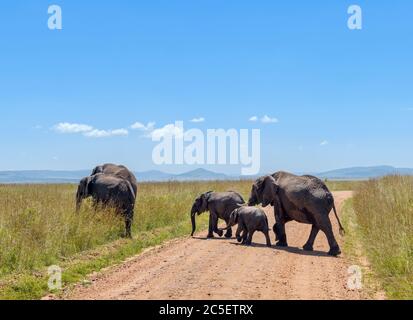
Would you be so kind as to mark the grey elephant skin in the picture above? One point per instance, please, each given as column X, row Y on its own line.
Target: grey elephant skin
column 220, row 205
column 249, row 220
column 305, row 199
column 119, row 171
column 109, row 190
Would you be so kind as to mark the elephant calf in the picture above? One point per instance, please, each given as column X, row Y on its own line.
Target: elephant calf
column 220, row 205
column 249, row 220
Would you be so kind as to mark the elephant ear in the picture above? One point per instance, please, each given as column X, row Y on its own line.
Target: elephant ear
column 98, row 169
column 206, row 196
column 204, row 200
column 270, row 183
column 270, row 191
column 260, row 184
column 235, row 216
column 88, row 186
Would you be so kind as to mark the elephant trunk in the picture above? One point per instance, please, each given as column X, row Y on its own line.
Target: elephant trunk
column 78, row 202
column 193, row 220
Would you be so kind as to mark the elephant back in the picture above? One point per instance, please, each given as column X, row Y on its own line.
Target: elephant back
column 119, row 171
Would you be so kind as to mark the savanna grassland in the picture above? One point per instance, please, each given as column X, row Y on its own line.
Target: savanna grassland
column 383, row 214
column 39, row 227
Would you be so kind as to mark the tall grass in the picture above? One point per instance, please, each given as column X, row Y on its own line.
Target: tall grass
column 342, row 185
column 39, row 227
column 162, row 204
column 384, row 212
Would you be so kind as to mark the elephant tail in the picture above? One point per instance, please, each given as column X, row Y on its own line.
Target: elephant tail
column 342, row 230
column 225, row 229
column 131, row 195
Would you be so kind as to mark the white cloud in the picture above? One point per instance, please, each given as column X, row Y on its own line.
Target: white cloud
column 147, row 129
column 324, row 143
column 95, row 133
column 119, row 132
column 140, row 126
column 198, row 120
column 65, row 127
column 267, row 119
column 169, row 129
column 87, row 130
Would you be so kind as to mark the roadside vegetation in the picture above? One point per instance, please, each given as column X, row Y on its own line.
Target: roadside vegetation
column 39, row 228
column 382, row 214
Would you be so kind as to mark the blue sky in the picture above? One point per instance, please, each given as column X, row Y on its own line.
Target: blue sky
column 120, row 62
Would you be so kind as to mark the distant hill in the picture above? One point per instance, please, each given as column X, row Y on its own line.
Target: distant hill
column 198, row 174
column 153, row 175
column 364, row 172
column 49, row 176
column 42, row 176
column 202, row 174
column 46, row 176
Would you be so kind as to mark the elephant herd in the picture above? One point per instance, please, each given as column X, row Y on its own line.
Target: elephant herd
column 305, row 199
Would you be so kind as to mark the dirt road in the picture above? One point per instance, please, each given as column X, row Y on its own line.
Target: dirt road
column 222, row 269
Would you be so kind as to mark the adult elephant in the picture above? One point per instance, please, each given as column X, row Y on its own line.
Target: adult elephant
column 220, row 205
column 118, row 171
column 109, row 190
column 305, row 199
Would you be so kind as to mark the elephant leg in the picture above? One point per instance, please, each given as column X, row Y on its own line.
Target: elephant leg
column 327, row 228
column 267, row 237
column 211, row 227
column 281, row 236
column 309, row 246
column 215, row 225
column 281, row 219
column 228, row 234
column 128, row 226
column 249, row 239
column 275, row 232
column 238, row 234
column 244, row 236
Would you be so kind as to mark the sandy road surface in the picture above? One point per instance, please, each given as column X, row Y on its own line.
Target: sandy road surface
column 222, row 269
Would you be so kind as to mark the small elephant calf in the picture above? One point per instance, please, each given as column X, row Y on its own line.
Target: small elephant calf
column 249, row 220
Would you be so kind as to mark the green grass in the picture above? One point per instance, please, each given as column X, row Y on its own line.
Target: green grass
column 342, row 185
column 39, row 227
column 383, row 214
column 356, row 253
